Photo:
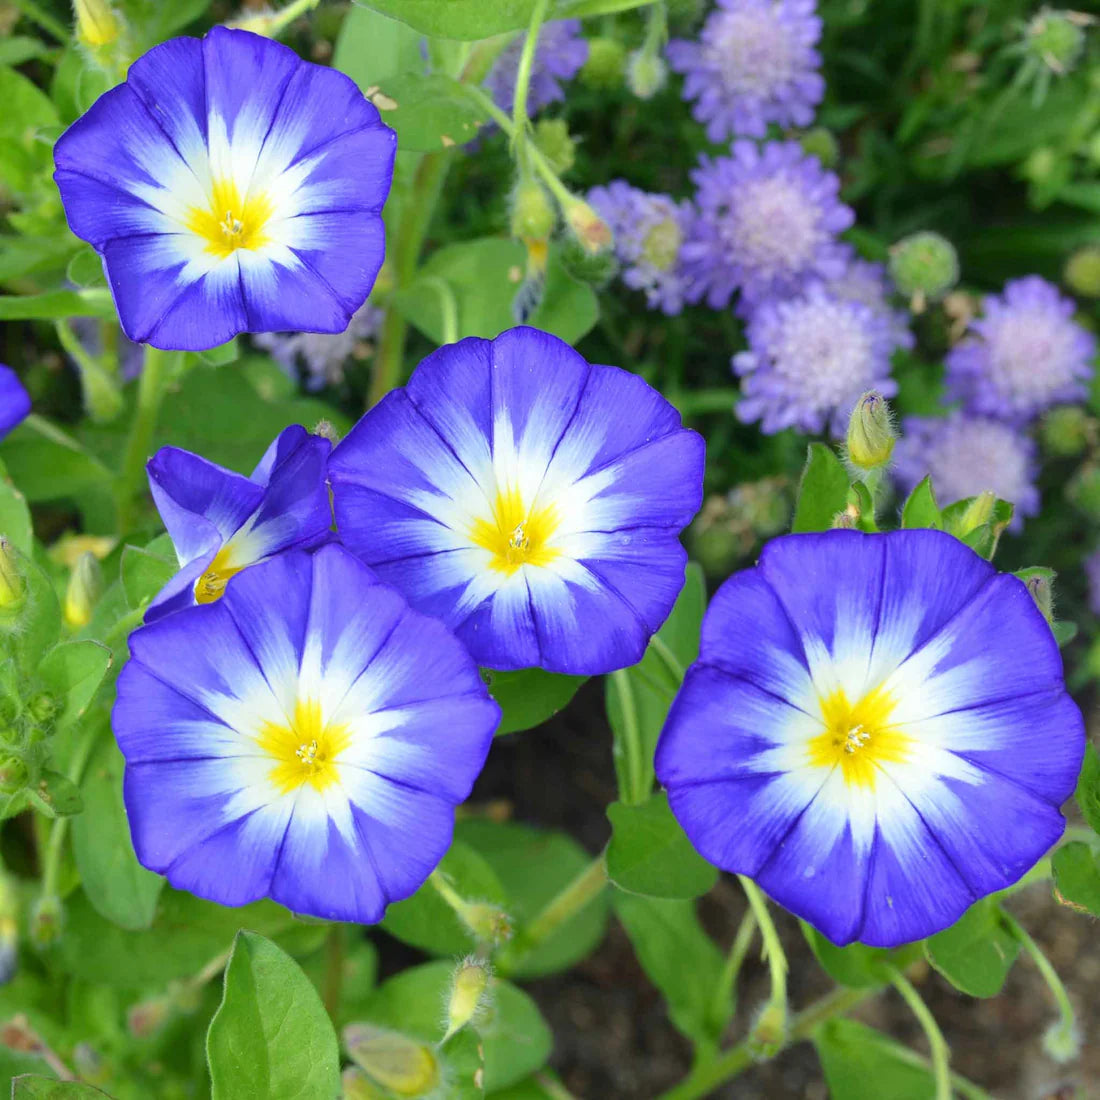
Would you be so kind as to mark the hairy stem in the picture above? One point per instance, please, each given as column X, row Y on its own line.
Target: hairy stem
column 773, row 949
column 941, row 1055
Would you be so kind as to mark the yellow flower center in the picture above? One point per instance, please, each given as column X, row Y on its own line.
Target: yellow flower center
column 231, row 222
column 858, row 738
column 516, row 535
column 210, row 586
column 304, row 751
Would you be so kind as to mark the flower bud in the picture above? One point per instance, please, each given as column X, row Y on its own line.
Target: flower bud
column 90, row 1065
column 1062, row 1041
column 1056, row 38
column 978, row 513
column 12, row 588
column 595, row 269
column 1067, row 430
column 769, row 1032
column 358, row 1086
column 554, row 142
column 13, row 774
column 97, row 24
column 1040, row 584
column 533, row 214
column 394, row 1061
column 845, row 521
column 591, row 231
column 924, row 265
column 83, row 592
column 326, row 430
column 821, row 143
column 1041, row 165
column 871, row 433
column 1082, row 272
column 646, row 74
column 1083, row 490
column 46, row 916
column 469, row 994
column 148, row 1017
column 605, row 65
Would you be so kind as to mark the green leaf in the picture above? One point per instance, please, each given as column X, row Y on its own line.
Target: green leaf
column 15, row 516
column 853, row 1056
column 545, row 1086
column 47, row 464
column 511, row 850
column 426, row 921
column 48, row 1088
column 483, row 276
column 223, row 354
column 1077, row 876
column 680, row 959
column 72, row 673
column 57, row 305
column 516, row 1040
column 638, row 698
column 1088, row 788
column 529, row 696
column 463, row 19
column 39, row 618
column 372, row 47
column 27, row 112
column 823, row 490
column 976, row 953
column 428, row 111
column 920, row 508
column 650, row 854
column 271, row 1036
column 856, row 965
column 55, row 795
column 115, row 883
column 144, row 574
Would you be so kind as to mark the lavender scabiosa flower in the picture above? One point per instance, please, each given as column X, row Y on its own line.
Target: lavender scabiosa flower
column 867, row 282
column 323, row 355
column 754, row 63
column 559, row 56
column 1024, row 355
column 809, row 360
column 967, row 455
column 767, row 219
column 649, row 232
column 1092, row 574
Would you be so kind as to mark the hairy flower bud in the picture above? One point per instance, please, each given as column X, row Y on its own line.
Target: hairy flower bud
column 605, row 65
column 469, row 994
column 394, row 1061
column 12, row 588
column 871, row 432
column 924, row 265
column 533, row 213
column 555, row 143
column 83, row 591
column 1062, row 1041
column 591, row 231
column 646, row 74
column 97, row 23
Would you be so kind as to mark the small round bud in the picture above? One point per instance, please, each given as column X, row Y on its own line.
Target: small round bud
column 1083, row 490
column 871, row 432
column 394, row 1061
column 488, row 923
column 592, row 233
column 46, row 919
column 1041, row 165
column 42, row 708
column 925, row 265
column 533, row 214
column 1062, row 1041
column 469, row 994
column 97, row 24
column 646, row 74
column 13, row 590
column 1067, row 430
column 1056, row 38
column 1082, row 272
column 769, row 1033
column 83, row 591
column 605, row 65
column 821, row 143
column 554, row 142
column 597, row 270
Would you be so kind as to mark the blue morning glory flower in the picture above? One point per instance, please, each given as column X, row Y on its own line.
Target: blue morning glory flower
column 1024, row 355
column 221, row 522
column 285, row 742
column 229, row 187
column 877, row 731
column 768, row 219
column 531, row 501
column 755, row 63
column 15, row 402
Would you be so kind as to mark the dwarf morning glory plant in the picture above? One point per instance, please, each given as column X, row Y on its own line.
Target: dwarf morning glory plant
column 864, row 706
column 221, row 522
column 502, row 491
column 15, row 402
column 229, row 187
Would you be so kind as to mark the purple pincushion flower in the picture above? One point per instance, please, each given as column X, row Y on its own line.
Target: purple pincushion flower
column 867, row 282
column 1023, row 355
column 755, row 63
column 809, row 359
column 1092, row 574
column 649, row 234
column 967, row 455
column 559, row 55
column 767, row 219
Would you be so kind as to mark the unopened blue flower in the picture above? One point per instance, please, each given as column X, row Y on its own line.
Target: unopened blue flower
column 559, row 55
column 649, row 233
column 322, row 354
column 305, row 739
column 868, row 282
column 755, row 63
column 967, row 455
column 877, row 731
column 229, row 187
column 15, row 402
column 809, row 359
column 1024, row 355
column 221, row 522
column 768, row 219
column 529, row 500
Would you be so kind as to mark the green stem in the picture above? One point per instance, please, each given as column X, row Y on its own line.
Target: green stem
column 448, row 306
column 634, row 766
column 281, row 19
column 1046, row 969
column 150, row 395
column 671, row 662
column 334, row 970
column 102, row 397
column 727, row 981
column 941, row 1055
column 773, row 949
column 520, row 120
column 720, row 399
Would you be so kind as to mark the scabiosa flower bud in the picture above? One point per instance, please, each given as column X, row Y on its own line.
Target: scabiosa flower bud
column 1082, row 273
column 968, row 455
column 1056, row 38
column 821, row 143
column 396, row 1062
column 1024, row 355
column 755, row 63
column 83, row 591
column 649, row 231
column 559, row 56
column 555, row 144
column 469, row 994
column 646, row 74
column 1067, row 430
column 605, row 65
column 768, row 219
column 1083, row 489
column 809, row 359
column 871, row 432
column 924, row 266
column 533, row 213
